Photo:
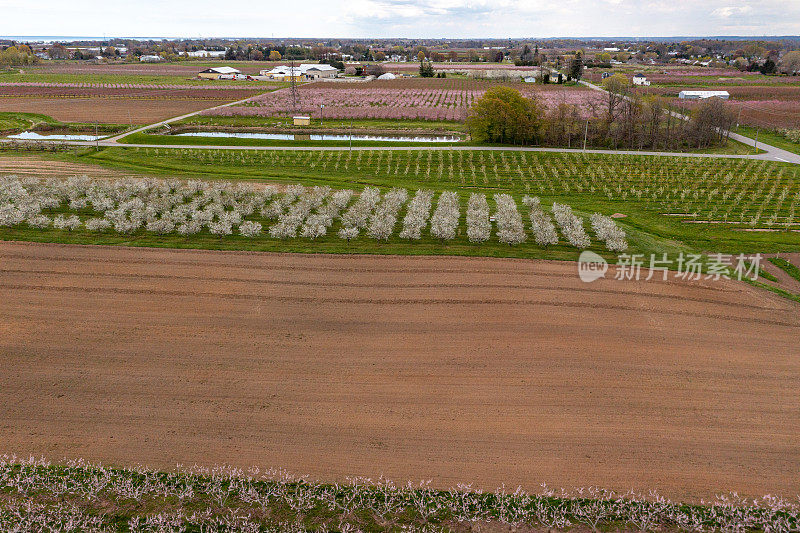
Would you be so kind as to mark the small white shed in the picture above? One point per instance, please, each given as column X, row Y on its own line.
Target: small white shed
column 701, row 95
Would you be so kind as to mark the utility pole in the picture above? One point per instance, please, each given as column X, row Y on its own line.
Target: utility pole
column 585, row 134
column 351, row 134
column 321, row 114
column 293, row 81
column 755, row 144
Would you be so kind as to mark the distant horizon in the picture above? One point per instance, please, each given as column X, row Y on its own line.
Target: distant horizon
column 321, row 37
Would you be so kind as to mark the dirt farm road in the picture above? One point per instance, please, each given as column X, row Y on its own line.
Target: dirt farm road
column 475, row 370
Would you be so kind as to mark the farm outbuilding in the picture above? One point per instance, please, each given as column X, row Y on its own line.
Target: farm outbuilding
column 283, row 74
column 318, row 71
column 215, row 73
column 307, row 71
column 701, row 95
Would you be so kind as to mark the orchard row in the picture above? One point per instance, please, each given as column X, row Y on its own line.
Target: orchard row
column 128, row 206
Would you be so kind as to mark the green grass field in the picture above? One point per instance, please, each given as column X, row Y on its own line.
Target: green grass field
column 786, row 266
column 11, row 122
column 749, row 193
column 146, row 138
column 20, row 121
column 739, row 195
column 286, row 122
column 732, row 147
column 770, row 137
column 753, row 203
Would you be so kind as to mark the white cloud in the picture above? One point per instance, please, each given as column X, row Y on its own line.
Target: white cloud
column 404, row 18
column 729, row 11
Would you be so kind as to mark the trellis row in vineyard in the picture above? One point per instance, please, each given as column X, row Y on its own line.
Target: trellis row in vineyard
column 752, row 192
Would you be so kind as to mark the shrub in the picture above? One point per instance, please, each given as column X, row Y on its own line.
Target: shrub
column 509, row 222
column 544, row 232
column 571, row 226
column 479, row 228
column 417, row 214
column 250, row 229
column 445, row 218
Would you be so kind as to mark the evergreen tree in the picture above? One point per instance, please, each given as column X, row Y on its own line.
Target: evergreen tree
column 426, row 69
column 576, row 66
column 768, row 67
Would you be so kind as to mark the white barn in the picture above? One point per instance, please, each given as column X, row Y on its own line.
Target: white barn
column 318, row 71
column 701, row 95
column 641, row 80
column 309, row 71
column 217, row 73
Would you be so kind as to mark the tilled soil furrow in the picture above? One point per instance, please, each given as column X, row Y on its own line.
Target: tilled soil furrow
column 485, row 371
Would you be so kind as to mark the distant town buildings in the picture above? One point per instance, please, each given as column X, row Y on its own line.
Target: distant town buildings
column 206, row 53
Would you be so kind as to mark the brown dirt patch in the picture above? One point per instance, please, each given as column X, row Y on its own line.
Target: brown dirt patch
column 106, row 110
column 456, row 369
column 13, row 165
column 167, row 93
column 188, row 69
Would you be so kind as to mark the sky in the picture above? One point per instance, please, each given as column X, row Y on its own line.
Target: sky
column 401, row 18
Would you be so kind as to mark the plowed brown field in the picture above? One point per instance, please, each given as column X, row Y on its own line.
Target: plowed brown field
column 12, row 164
column 457, row 369
column 106, row 110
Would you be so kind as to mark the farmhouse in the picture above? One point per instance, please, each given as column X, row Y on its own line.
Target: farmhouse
column 216, row 73
column 641, row 79
column 701, row 95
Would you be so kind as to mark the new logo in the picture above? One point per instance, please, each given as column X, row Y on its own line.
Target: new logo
column 591, row 266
